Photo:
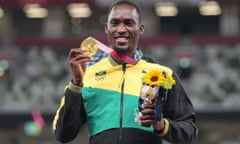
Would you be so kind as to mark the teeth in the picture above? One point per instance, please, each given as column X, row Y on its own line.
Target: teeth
column 122, row 38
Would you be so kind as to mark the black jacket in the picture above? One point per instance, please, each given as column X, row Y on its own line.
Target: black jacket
column 177, row 109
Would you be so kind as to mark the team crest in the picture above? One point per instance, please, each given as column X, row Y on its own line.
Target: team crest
column 99, row 76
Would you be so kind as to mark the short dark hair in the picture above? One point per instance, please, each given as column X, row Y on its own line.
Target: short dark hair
column 135, row 5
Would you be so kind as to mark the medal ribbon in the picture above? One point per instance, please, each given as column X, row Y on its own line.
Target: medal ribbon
column 114, row 54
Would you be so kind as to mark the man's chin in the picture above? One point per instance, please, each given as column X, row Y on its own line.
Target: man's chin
column 121, row 50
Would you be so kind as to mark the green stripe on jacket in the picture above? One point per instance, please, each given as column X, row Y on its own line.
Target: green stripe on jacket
column 101, row 117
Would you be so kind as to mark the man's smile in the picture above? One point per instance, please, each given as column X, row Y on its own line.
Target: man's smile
column 121, row 40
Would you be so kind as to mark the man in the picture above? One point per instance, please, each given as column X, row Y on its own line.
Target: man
column 106, row 94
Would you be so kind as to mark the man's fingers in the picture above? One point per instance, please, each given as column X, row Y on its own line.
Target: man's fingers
column 146, row 122
column 75, row 52
column 147, row 114
column 75, row 60
column 147, row 105
column 80, row 58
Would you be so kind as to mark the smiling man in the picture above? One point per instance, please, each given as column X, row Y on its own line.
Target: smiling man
column 106, row 95
column 123, row 28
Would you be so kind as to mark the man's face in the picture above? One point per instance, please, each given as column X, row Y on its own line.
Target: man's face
column 123, row 29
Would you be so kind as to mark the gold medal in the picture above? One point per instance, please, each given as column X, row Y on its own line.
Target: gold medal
column 90, row 45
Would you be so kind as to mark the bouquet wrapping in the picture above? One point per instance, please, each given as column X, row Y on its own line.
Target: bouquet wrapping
column 153, row 81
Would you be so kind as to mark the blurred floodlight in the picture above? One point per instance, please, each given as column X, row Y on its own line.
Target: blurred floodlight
column 1, row 12
column 4, row 64
column 79, row 10
column 35, row 11
column 166, row 9
column 209, row 8
column 185, row 62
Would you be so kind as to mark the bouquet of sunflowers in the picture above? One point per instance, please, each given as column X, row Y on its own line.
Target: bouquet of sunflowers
column 152, row 82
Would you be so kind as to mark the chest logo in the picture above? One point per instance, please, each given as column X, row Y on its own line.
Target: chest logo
column 101, row 75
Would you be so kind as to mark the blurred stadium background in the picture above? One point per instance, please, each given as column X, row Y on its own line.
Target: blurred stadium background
column 200, row 39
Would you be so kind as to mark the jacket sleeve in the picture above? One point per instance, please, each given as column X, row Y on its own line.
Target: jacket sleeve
column 179, row 114
column 70, row 115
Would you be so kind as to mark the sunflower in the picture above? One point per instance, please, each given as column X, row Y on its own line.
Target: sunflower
column 168, row 81
column 153, row 78
column 159, row 78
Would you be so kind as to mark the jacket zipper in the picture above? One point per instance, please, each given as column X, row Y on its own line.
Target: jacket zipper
column 121, row 103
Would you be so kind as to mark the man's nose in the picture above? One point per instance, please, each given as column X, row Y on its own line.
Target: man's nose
column 121, row 28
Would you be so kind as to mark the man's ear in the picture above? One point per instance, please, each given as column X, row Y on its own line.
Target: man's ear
column 141, row 29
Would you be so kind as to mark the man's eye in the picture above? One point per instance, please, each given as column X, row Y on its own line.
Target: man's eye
column 114, row 22
column 129, row 23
